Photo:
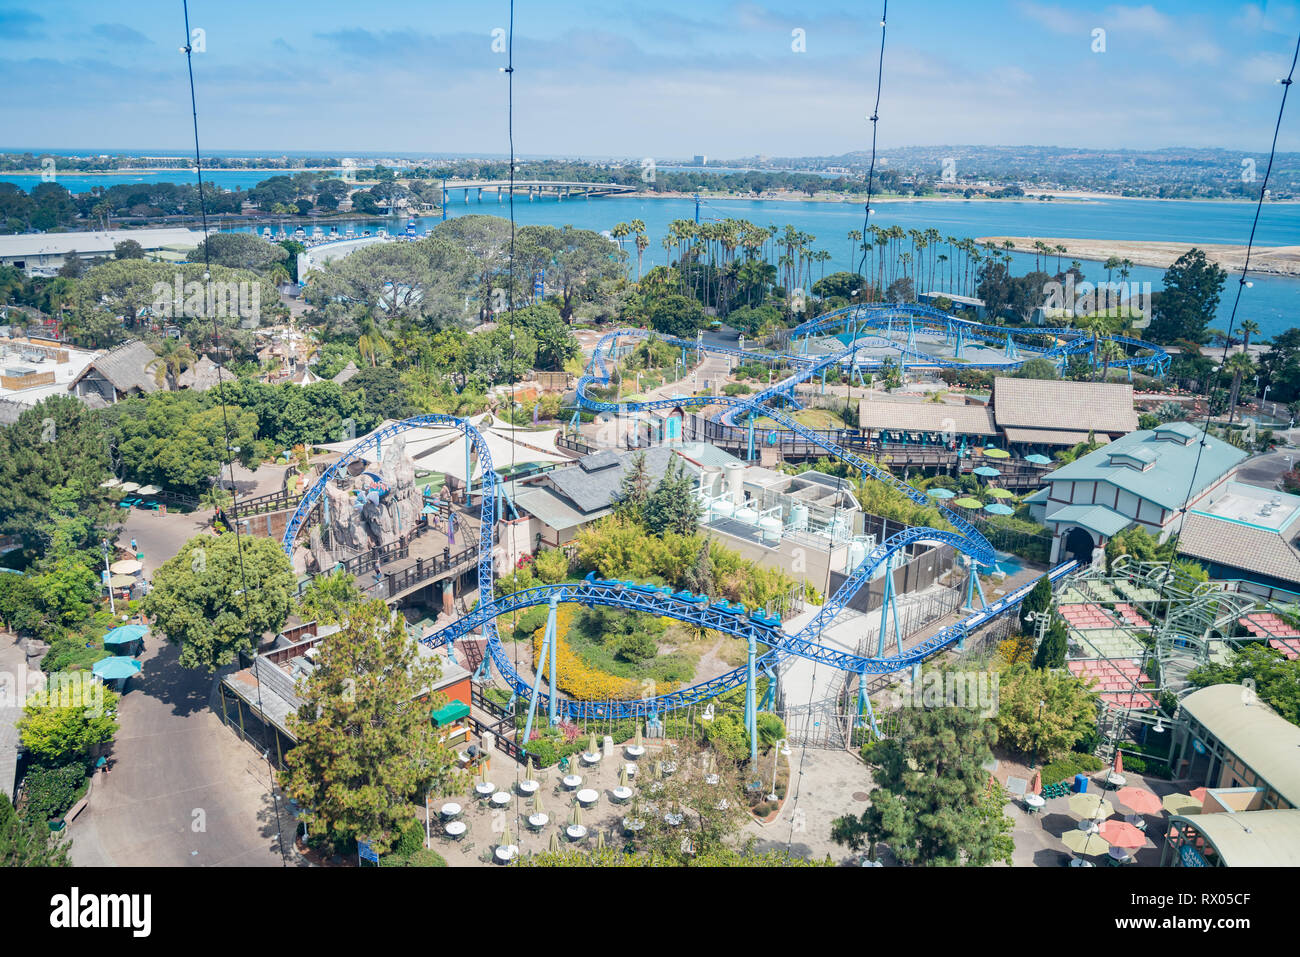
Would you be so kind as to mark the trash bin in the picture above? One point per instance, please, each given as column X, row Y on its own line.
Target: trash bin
column 1081, row 783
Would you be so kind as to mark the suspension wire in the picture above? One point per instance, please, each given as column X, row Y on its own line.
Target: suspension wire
column 821, row 624
column 225, row 418
column 875, row 119
column 1232, row 318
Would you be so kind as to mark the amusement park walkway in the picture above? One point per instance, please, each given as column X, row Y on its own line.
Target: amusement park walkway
column 183, row 790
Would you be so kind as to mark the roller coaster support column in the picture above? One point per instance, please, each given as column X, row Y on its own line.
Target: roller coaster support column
column 469, row 475
column 973, row 587
column 573, row 422
column 890, row 604
column 749, row 457
column 751, row 708
column 1011, row 348
column 548, row 642
column 823, row 391
column 956, row 352
column 864, row 706
column 911, row 334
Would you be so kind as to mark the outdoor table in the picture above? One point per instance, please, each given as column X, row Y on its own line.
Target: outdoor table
column 571, row 781
column 631, row 770
column 588, row 796
column 456, row 829
column 635, row 751
column 506, row 853
column 538, row 820
column 1080, row 862
column 1137, row 820
column 1034, row 802
column 1115, row 780
column 528, row 786
column 576, row 832
column 591, row 757
column 485, row 789
column 1088, row 826
column 501, row 799
column 621, row 794
column 1120, row 855
column 633, row 824
column 451, row 810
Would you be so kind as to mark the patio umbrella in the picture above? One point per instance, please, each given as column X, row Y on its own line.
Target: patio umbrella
column 129, row 486
column 987, row 471
column 111, row 483
column 1038, row 459
column 941, row 493
column 127, row 566
column 1082, row 843
column 1001, row 493
column 537, row 803
column 1139, row 800
column 591, row 743
column 148, row 490
column 577, row 814
column 997, row 508
column 506, row 837
column 1123, row 834
column 1181, row 804
column 997, row 453
column 1198, row 794
column 622, row 776
column 600, row 840
column 555, row 843
column 1090, row 805
column 122, row 581
column 125, row 634
column 967, row 502
column 119, row 666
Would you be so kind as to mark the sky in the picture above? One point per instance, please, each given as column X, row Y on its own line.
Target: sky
column 631, row 80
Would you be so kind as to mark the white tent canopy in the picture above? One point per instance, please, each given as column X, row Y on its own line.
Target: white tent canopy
column 442, row 449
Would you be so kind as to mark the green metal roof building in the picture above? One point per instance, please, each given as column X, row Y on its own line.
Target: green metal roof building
column 1142, row 478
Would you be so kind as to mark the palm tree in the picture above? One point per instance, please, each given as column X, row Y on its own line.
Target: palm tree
column 1240, row 365
column 1248, row 329
column 620, row 232
column 174, row 357
column 372, row 344
column 642, row 244
column 855, row 237
column 1111, row 351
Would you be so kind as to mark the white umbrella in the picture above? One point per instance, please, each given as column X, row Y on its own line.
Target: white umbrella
column 129, row 486
column 127, row 566
column 148, row 490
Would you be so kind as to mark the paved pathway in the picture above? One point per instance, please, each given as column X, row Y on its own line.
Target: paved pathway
column 13, row 691
column 183, row 790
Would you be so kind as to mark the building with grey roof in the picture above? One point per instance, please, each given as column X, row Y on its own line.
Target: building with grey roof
column 1143, row 478
column 42, row 254
column 1247, row 533
column 117, row 374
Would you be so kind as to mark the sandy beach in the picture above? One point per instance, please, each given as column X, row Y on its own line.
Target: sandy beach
column 1269, row 260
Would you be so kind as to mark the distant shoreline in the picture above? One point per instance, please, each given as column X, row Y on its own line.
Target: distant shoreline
column 1281, row 261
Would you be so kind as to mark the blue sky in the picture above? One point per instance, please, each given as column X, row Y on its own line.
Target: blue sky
column 638, row 79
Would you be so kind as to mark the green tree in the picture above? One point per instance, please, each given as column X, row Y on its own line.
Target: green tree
column 673, row 507
column 28, row 845
column 1055, row 643
column 1277, row 680
column 1185, row 306
column 215, row 601
column 1038, row 600
column 934, row 804
column 1042, row 711
column 57, row 726
column 366, row 746
column 675, row 315
column 327, row 598
column 634, row 492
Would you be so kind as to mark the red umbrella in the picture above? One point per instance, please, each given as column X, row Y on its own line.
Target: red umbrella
column 1139, row 800
column 1122, row 834
column 1198, row 794
column 1036, row 784
column 1119, row 762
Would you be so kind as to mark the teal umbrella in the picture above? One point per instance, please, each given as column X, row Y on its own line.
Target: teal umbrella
column 987, row 471
column 997, row 508
column 1038, row 459
column 125, row 634
column 112, row 669
column 941, row 493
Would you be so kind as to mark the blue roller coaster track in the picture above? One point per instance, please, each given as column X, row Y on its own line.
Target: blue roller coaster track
column 701, row 611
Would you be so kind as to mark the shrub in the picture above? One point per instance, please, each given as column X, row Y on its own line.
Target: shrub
column 1064, row 769
column 543, row 752
column 48, row 792
column 736, row 388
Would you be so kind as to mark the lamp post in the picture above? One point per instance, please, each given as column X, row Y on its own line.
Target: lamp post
column 108, row 575
column 1033, row 761
column 781, row 750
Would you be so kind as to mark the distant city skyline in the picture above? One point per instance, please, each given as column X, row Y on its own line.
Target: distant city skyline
column 602, row 81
